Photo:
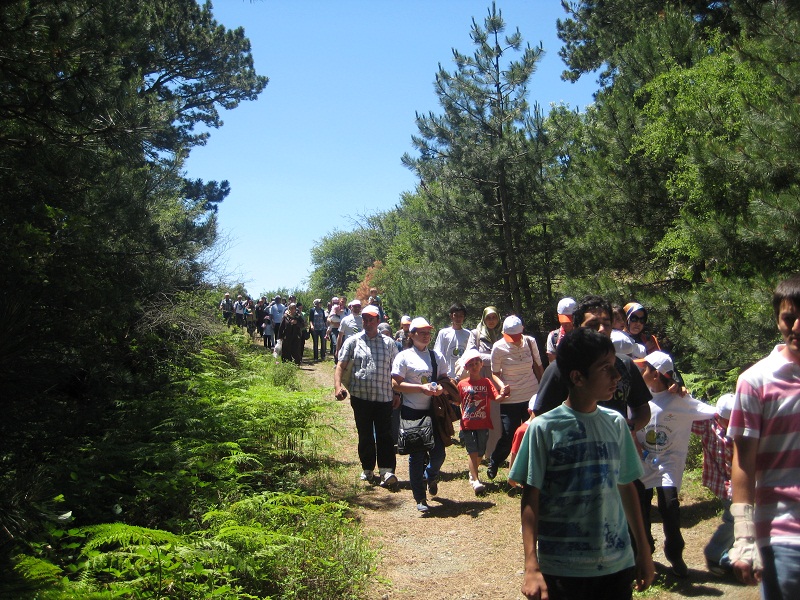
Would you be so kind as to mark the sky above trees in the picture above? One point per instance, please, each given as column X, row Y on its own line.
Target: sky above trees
column 321, row 147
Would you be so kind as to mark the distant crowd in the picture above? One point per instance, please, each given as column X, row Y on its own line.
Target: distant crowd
column 589, row 440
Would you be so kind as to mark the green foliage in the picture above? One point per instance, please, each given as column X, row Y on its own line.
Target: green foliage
column 205, row 477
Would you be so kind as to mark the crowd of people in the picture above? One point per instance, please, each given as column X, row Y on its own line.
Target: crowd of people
column 592, row 437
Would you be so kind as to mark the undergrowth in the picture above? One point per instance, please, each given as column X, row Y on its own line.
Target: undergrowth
column 197, row 494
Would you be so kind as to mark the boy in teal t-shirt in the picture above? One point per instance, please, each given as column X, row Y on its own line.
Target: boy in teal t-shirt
column 577, row 464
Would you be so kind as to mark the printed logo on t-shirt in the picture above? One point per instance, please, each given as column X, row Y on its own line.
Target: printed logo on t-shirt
column 457, row 351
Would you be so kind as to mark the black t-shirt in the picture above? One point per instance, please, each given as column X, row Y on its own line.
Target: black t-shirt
column 631, row 389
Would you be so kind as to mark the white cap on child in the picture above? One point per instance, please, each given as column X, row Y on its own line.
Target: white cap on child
column 725, row 405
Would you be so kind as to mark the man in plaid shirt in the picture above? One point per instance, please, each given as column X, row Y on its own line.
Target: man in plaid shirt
column 371, row 395
column 717, row 457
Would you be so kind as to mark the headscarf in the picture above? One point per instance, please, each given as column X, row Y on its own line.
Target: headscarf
column 487, row 334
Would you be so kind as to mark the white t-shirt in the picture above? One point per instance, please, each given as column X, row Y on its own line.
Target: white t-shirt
column 666, row 437
column 451, row 344
column 414, row 366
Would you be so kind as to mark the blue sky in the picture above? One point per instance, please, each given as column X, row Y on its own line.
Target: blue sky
column 321, row 146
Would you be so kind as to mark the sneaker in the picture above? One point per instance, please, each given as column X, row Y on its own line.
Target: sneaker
column 389, row 480
column 491, row 471
column 433, row 486
column 367, row 475
column 718, row 569
column 477, row 486
column 679, row 568
column 422, row 507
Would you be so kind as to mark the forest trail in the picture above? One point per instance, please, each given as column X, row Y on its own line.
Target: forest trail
column 469, row 547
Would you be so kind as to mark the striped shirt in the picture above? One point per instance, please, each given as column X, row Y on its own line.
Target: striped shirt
column 767, row 407
column 515, row 365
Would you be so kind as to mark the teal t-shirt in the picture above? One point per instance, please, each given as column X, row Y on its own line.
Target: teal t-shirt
column 576, row 460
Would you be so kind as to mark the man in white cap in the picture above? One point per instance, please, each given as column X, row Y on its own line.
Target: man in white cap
column 350, row 324
column 371, row 395
column 516, row 362
column 566, row 306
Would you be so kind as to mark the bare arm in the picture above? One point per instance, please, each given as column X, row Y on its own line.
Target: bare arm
column 641, row 416
column 338, row 389
column 533, row 584
column 744, row 554
column 645, row 570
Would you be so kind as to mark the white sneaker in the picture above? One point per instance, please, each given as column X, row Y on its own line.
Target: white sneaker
column 367, row 475
column 389, row 480
column 477, row 486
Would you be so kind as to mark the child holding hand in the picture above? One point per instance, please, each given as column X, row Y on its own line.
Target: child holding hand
column 477, row 392
column 665, row 445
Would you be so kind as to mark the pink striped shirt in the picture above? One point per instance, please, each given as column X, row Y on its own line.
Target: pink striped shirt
column 767, row 407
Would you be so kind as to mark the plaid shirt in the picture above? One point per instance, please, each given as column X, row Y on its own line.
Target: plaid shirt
column 372, row 366
column 717, row 457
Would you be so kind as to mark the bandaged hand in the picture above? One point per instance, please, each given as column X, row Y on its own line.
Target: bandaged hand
column 744, row 551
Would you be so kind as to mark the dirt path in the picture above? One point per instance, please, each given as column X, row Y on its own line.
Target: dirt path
column 469, row 547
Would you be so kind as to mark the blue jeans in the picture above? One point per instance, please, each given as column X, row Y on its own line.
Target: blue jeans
column 781, row 575
column 722, row 540
column 318, row 335
column 423, row 466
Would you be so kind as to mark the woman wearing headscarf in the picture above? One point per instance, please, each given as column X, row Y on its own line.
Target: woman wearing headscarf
column 291, row 332
column 482, row 338
column 636, row 315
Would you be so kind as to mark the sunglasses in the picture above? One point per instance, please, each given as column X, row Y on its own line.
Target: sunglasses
column 637, row 319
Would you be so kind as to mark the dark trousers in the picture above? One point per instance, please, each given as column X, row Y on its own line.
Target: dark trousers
column 511, row 417
column 374, row 427
column 318, row 335
column 670, row 509
column 616, row 586
column 292, row 349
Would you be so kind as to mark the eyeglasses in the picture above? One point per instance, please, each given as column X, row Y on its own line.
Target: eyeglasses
column 637, row 319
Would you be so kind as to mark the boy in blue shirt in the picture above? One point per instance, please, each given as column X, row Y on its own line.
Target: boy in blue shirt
column 577, row 464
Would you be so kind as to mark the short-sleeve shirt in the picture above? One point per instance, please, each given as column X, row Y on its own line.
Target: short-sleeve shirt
column 414, row 366
column 372, row 366
column 350, row 324
column 767, row 408
column 451, row 343
column 476, row 399
column 515, row 365
column 631, row 389
column 666, row 437
column 576, row 461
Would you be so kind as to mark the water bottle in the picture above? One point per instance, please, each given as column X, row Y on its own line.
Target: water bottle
column 434, row 386
column 650, row 458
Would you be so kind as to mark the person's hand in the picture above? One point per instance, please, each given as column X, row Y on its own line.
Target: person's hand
column 645, row 571
column 505, row 391
column 534, row 586
column 744, row 556
column 341, row 393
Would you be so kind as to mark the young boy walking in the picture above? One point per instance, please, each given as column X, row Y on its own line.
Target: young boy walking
column 665, row 445
column 477, row 393
column 577, row 464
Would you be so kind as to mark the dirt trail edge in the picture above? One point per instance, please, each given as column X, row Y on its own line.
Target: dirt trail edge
column 470, row 547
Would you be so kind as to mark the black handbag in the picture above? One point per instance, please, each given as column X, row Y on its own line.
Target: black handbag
column 416, row 435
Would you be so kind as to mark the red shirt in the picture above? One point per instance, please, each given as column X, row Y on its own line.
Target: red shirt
column 475, row 399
